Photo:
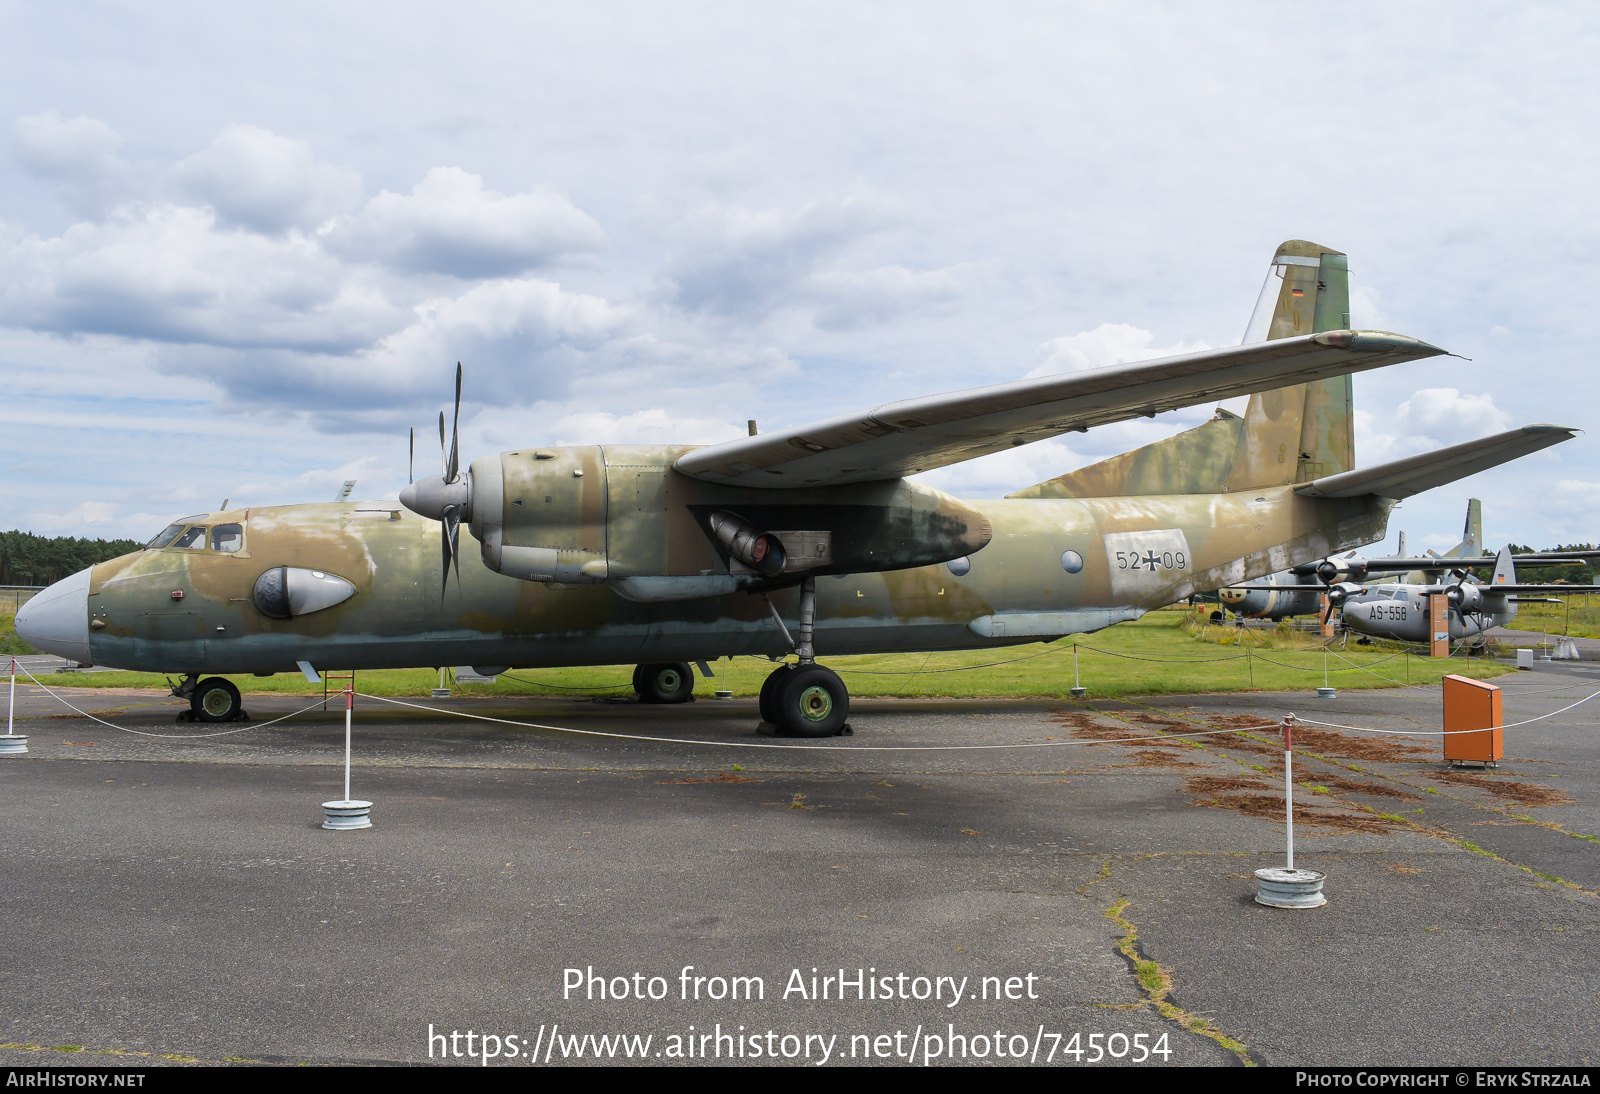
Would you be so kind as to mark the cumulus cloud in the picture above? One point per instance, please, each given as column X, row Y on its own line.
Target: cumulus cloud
column 1444, row 413
column 80, row 156
column 167, row 273
column 749, row 264
column 1107, row 344
column 450, row 224
column 256, row 179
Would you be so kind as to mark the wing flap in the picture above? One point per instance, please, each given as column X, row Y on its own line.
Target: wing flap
column 915, row 435
column 1402, row 478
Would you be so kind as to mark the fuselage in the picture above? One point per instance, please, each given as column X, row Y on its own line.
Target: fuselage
column 1048, row 567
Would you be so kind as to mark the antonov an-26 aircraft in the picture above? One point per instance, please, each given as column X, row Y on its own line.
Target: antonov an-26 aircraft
column 803, row 539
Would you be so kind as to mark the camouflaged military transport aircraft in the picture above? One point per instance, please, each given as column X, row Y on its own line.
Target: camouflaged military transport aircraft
column 792, row 540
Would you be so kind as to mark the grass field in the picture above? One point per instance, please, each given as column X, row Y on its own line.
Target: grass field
column 1583, row 610
column 1163, row 653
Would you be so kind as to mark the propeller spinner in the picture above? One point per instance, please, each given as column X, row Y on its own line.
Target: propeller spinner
column 446, row 498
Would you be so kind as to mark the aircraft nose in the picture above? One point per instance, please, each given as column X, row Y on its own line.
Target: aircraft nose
column 57, row 619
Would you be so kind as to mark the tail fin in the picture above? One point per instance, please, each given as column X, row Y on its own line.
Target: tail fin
column 1505, row 573
column 1505, row 570
column 1293, row 434
column 1471, row 544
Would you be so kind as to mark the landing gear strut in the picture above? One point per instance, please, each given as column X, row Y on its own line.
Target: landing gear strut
column 806, row 699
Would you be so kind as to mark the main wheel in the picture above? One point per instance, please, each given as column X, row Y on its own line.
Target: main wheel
column 813, row 702
column 769, row 693
column 672, row 683
column 215, row 700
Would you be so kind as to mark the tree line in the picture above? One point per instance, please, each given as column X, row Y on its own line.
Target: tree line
column 27, row 559
column 1544, row 575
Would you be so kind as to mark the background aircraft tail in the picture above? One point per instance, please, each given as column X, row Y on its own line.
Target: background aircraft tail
column 1471, row 544
column 1288, row 435
column 1505, row 573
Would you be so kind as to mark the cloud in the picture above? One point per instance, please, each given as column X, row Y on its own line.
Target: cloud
column 1107, row 344
column 254, row 178
column 450, row 224
column 745, row 264
column 169, row 273
column 1445, row 414
column 78, row 155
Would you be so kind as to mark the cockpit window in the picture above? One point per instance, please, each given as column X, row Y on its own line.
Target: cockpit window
column 192, row 540
column 165, row 536
column 228, row 538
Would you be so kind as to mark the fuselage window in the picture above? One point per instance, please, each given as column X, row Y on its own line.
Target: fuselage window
column 165, row 536
column 192, row 540
column 228, row 538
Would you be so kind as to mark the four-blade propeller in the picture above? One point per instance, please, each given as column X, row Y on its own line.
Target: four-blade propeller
column 447, row 497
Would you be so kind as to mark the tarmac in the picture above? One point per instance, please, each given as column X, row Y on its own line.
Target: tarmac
column 168, row 900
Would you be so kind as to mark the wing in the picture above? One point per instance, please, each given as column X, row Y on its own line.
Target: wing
column 1401, row 478
column 915, row 435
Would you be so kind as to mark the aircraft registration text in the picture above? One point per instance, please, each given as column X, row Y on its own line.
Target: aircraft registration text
column 1142, row 561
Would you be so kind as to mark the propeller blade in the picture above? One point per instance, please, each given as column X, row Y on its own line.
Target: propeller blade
column 455, row 433
column 444, row 557
column 411, row 464
column 444, row 455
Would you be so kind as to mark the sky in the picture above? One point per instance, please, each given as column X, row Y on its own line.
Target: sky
column 242, row 246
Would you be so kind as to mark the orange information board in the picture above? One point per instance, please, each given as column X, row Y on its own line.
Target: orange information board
column 1438, row 625
column 1469, row 705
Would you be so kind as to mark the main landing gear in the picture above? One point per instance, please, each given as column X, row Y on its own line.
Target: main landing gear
column 805, row 699
column 210, row 700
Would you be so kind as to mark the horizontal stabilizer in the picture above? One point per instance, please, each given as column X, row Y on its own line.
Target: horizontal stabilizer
column 1527, row 590
column 1402, row 478
column 916, row 435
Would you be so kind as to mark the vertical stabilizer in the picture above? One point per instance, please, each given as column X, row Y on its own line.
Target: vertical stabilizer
column 1505, row 573
column 1288, row 435
column 1471, row 544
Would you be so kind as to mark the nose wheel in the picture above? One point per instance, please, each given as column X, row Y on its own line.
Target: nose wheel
column 669, row 683
column 216, row 700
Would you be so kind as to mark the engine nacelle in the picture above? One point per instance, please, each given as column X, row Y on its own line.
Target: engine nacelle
column 761, row 551
column 1332, row 570
column 1343, row 591
column 1465, row 598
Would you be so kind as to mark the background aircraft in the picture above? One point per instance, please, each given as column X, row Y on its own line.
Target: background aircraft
column 1299, row 591
column 1400, row 611
column 790, row 540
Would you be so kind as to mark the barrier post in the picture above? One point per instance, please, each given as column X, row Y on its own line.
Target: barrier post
column 13, row 744
column 345, row 814
column 1078, row 691
column 1285, row 886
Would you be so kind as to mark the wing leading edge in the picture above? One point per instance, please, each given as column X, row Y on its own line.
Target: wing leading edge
column 915, row 435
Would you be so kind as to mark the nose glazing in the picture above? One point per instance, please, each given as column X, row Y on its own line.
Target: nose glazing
column 57, row 619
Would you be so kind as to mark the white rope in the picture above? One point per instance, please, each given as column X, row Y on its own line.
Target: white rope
column 169, row 736
column 829, row 748
column 1447, row 732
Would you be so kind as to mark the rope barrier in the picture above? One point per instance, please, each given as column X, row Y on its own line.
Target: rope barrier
column 1446, row 732
column 758, row 744
column 171, row 736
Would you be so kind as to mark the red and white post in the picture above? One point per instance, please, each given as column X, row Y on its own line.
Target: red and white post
column 345, row 814
column 1285, row 886
column 13, row 743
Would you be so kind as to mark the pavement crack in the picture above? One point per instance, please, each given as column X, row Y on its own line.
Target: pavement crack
column 1155, row 982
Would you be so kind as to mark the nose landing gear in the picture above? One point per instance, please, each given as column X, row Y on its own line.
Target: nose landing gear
column 210, row 700
column 670, row 683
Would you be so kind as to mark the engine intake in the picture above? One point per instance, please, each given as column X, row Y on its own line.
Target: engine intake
column 761, row 551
